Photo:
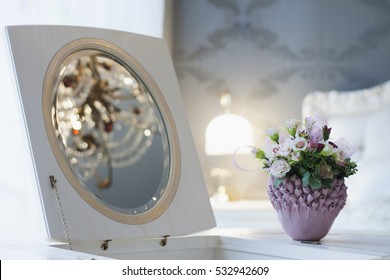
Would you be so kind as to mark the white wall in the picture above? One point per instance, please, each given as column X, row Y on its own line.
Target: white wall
column 20, row 211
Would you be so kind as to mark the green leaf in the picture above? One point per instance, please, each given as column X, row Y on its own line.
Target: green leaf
column 260, row 154
column 292, row 131
column 314, row 182
column 275, row 137
column 311, row 180
column 301, row 171
column 306, row 179
column 327, row 183
column 278, row 181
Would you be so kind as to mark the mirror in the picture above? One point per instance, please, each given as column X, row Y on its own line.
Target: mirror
column 107, row 82
column 111, row 131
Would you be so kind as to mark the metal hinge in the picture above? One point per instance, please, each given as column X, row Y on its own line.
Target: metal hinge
column 104, row 245
column 164, row 241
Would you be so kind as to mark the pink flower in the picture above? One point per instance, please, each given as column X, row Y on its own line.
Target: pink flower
column 299, row 144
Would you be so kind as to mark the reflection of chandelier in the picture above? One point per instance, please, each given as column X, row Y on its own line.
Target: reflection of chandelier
column 104, row 117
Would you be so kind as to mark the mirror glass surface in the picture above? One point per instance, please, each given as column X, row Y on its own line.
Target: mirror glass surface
column 110, row 131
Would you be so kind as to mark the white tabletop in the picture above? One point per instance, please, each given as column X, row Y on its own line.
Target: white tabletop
column 247, row 226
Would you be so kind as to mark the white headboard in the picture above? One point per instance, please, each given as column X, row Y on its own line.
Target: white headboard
column 349, row 113
column 346, row 103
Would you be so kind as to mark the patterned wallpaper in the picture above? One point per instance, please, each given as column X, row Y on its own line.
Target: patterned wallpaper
column 269, row 54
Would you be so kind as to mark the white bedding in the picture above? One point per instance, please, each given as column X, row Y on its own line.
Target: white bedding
column 368, row 203
column 363, row 118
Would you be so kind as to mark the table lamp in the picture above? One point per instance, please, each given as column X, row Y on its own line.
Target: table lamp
column 224, row 135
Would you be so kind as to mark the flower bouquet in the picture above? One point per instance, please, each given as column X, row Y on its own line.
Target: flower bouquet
column 307, row 170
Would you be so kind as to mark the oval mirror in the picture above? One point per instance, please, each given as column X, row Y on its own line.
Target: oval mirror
column 111, row 131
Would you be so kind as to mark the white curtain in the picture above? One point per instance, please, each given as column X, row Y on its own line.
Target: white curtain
column 21, row 215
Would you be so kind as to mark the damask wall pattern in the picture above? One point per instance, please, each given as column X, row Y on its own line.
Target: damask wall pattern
column 269, row 54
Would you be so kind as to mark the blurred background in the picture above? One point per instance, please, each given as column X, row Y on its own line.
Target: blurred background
column 259, row 57
column 269, row 54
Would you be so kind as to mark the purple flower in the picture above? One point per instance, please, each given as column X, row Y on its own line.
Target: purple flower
column 320, row 147
column 315, row 136
column 326, row 132
column 315, row 121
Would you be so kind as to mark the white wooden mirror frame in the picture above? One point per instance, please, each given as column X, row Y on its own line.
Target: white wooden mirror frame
column 68, row 216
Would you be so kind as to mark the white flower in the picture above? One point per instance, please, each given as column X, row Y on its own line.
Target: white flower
column 299, row 144
column 285, row 148
column 292, row 126
column 271, row 151
column 279, row 168
column 273, row 134
column 271, row 131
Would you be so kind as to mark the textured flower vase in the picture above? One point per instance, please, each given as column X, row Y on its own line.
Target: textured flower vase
column 306, row 214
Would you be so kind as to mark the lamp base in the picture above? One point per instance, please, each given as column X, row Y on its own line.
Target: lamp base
column 220, row 196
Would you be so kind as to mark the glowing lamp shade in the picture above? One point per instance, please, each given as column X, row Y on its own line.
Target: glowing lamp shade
column 226, row 133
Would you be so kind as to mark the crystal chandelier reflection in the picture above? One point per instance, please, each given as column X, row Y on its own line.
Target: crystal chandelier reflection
column 104, row 117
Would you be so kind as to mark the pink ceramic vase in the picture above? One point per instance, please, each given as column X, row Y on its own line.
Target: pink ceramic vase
column 307, row 214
